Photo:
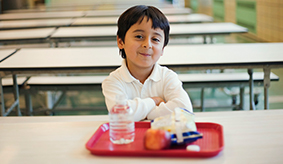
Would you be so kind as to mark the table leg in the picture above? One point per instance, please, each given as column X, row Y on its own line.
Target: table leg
column 202, row 100
column 204, row 39
column 211, row 39
column 28, row 101
column 242, row 97
column 53, row 44
column 2, row 98
column 266, row 82
column 16, row 95
column 251, row 84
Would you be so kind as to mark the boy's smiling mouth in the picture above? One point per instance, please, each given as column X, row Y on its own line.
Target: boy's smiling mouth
column 145, row 54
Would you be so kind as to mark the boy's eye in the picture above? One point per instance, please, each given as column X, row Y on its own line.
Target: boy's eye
column 138, row 36
column 156, row 39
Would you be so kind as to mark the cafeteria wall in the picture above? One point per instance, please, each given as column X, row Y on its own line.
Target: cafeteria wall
column 11, row 4
column 263, row 18
column 18, row 4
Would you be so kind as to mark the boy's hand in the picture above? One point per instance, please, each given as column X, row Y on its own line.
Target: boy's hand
column 157, row 100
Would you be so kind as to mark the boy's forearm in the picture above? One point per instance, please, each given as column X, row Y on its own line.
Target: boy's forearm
column 141, row 107
column 157, row 100
column 158, row 111
column 168, row 107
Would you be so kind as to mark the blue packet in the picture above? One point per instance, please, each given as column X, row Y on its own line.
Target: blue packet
column 180, row 124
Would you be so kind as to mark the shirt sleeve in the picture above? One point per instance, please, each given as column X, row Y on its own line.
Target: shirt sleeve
column 174, row 95
column 141, row 107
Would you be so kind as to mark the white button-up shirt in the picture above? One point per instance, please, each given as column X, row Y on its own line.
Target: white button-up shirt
column 162, row 82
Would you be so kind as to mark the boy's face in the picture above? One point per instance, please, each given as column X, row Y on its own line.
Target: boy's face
column 143, row 45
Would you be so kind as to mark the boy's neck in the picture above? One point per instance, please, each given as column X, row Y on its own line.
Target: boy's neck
column 140, row 74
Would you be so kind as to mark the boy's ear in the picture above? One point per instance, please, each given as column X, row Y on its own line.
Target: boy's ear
column 120, row 43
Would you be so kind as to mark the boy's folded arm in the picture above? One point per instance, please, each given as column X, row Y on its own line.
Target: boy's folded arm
column 141, row 107
column 157, row 100
column 168, row 107
column 158, row 111
column 175, row 96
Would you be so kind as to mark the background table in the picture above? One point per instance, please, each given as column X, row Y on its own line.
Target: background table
column 81, row 60
column 235, row 56
column 249, row 137
column 111, row 21
column 76, row 14
column 26, row 35
column 176, row 30
column 37, row 23
column 6, row 53
column 92, row 21
column 98, row 33
column 107, row 13
column 42, row 15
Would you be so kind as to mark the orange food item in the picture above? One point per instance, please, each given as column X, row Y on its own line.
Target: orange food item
column 156, row 139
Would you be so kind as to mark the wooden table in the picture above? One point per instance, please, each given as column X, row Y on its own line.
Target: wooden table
column 249, row 137
column 249, row 56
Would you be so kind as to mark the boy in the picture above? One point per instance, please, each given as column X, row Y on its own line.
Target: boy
column 151, row 90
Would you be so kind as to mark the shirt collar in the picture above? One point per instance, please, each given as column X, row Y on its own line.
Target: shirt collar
column 126, row 73
column 155, row 74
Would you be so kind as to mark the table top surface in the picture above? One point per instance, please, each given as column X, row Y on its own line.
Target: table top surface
column 63, row 58
column 175, row 29
column 85, row 7
column 206, row 28
column 191, row 18
column 85, row 21
column 75, row 14
column 5, row 53
column 166, row 11
column 42, row 15
column 110, row 31
column 92, row 21
column 249, row 137
column 202, row 56
column 224, row 54
column 36, row 23
column 38, row 33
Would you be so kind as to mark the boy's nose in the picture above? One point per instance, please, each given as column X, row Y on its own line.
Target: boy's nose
column 147, row 43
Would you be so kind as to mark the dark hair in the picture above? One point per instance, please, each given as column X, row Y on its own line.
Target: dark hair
column 136, row 13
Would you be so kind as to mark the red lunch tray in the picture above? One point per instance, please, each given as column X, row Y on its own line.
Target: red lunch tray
column 210, row 145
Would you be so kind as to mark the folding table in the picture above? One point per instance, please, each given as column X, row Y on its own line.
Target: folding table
column 107, row 33
column 105, row 59
column 111, row 21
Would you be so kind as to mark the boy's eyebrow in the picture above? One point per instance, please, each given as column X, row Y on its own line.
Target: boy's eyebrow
column 138, row 30
column 156, row 33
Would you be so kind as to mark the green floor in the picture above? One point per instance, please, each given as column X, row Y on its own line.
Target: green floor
column 92, row 102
